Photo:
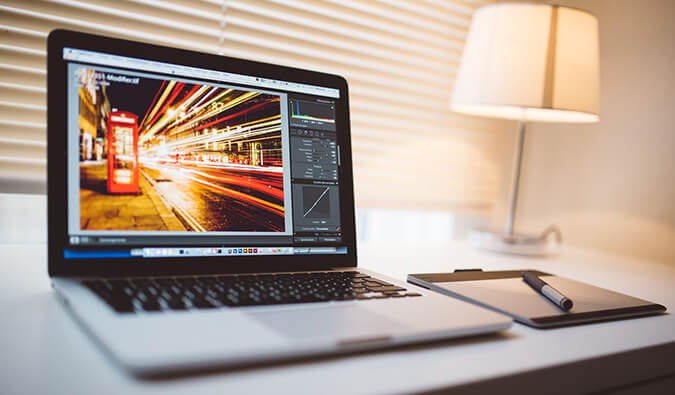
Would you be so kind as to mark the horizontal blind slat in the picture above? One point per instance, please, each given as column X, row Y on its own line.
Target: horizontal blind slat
column 212, row 13
column 371, row 65
column 8, row 94
column 390, row 28
column 465, row 7
column 23, row 60
column 22, row 106
column 21, row 112
column 56, row 21
column 353, row 75
column 23, row 142
column 22, row 87
column 18, row 130
column 23, row 174
column 16, row 76
column 349, row 46
column 293, row 16
column 140, row 18
column 22, row 31
column 23, row 69
column 22, row 50
column 408, row 103
column 452, row 14
column 451, row 28
column 20, row 149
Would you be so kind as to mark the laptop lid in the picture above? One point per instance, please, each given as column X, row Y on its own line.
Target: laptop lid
column 165, row 161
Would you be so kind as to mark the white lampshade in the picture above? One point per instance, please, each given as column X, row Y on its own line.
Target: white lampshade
column 530, row 62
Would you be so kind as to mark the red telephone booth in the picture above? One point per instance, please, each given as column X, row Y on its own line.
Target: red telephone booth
column 122, row 152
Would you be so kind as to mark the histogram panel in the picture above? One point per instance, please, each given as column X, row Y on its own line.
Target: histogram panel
column 312, row 114
column 313, row 110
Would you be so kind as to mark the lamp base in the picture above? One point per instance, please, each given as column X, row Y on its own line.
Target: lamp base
column 517, row 244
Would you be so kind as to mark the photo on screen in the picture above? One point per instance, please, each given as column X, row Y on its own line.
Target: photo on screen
column 167, row 155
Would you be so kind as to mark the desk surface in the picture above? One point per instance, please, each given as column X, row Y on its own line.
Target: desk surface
column 44, row 351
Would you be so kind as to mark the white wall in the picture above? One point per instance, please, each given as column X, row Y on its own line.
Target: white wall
column 611, row 185
column 23, row 218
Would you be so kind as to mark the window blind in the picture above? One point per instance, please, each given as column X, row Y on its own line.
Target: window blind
column 399, row 57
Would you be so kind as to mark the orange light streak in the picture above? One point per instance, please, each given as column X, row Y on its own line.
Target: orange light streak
column 256, row 185
column 274, row 208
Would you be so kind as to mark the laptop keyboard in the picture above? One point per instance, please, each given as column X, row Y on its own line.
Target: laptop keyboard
column 208, row 292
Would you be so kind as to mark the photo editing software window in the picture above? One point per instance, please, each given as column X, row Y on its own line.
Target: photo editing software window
column 173, row 161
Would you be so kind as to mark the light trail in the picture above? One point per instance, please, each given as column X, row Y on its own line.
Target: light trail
column 197, row 143
column 266, row 126
column 191, row 97
column 178, row 121
column 204, row 140
column 256, row 185
column 164, row 118
column 157, row 106
column 212, row 91
column 199, row 107
column 229, row 166
column 274, row 208
column 218, row 109
column 156, row 162
column 154, row 100
column 219, row 120
column 270, row 188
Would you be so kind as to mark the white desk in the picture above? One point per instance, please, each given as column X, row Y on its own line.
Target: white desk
column 44, row 351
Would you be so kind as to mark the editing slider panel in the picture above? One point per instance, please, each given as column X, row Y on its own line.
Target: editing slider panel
column 314, row 155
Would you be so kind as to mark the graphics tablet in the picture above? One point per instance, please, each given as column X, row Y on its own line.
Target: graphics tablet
column 506, row 292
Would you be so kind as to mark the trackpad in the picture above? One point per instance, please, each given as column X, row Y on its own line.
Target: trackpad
column 338, row 321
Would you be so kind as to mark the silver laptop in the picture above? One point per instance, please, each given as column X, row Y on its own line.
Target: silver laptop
column 201, row 213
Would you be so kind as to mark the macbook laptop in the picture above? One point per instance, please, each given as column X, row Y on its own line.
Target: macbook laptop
column 201, row 213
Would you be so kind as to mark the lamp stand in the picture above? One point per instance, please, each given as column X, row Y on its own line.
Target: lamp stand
column 520, row 143
column 509, row 241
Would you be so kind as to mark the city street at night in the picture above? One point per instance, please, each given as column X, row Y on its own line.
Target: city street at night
column 211, row 157
column 209, row 198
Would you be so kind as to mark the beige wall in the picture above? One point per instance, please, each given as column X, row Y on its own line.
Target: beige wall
column 611, row 185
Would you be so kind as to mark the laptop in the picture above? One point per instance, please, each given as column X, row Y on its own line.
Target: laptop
column 201, row 213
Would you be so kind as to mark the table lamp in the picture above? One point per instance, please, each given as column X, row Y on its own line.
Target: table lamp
column 528, row 62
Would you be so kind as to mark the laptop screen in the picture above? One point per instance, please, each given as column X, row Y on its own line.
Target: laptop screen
column 166, row 160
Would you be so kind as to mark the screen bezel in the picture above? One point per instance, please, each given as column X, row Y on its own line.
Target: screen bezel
column 57, row 164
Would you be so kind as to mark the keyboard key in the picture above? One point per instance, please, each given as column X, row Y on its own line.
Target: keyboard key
column 151, row 305
column 390, row 288
column 380, row 282
column 177, row 304
column 209, row 292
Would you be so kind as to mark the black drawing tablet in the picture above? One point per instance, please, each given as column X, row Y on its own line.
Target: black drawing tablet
column 506, row 292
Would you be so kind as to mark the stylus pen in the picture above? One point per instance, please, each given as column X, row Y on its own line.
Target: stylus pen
column 551, row 293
